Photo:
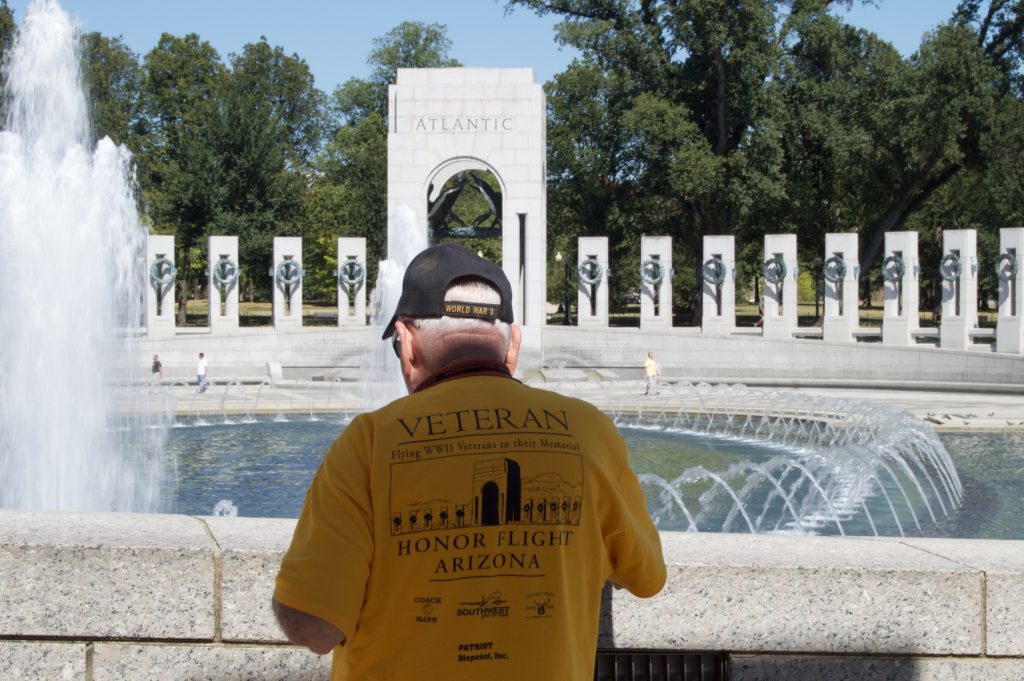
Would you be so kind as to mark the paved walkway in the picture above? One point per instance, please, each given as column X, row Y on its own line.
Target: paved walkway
column 950, row 410
column 943, row 409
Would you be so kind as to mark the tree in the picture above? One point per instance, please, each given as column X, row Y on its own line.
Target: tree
column 411, row 44
column 285, row 84
column 354, row 165
column 7, row 30
column 325, row 215
column 943, row 117
column 355, row 158
column 841, row 92
column 114, row 81
column 229, row 149
column 257, row 194
column 771, row 115
column 183, row 78
column 284, row 102
column 7, row 27
column 589, row 183
column 983, row 198
column 702, row 64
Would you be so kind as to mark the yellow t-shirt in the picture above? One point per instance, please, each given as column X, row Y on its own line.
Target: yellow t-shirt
column 466, row 531
column 650, row 367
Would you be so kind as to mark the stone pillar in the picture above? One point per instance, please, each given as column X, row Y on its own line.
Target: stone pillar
column 444, row 121
column 1009, row 329
column 287, row 296
column 842, row 262
column 900, row 274
column 719, row 300
column 780, row 319
column 959, row 291
column 655, row 296
column 222, row 283
column 161, row 277
column 592, row 297
column 351, row 281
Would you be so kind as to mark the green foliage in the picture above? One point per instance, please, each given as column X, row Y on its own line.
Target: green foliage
column 772, row 116
column 226, row 148
column 692, row 140
column 411, row 44
column 183, row 77
column 590, row 190
column 113, row 80
column 354, row 161
column 257, row 196
column 806, row 283
column 1000, row 179
column 321, row 223
column 679, row 118
column 7, row 31
column 285, row 84
column 840, row 91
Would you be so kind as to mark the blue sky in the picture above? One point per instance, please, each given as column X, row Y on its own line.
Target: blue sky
column 335, row 36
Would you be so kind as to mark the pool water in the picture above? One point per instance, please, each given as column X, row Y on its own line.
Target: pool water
column 264, row 468
column 991, row 468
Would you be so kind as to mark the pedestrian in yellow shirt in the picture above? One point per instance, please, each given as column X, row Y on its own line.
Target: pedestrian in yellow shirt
column 651, row 373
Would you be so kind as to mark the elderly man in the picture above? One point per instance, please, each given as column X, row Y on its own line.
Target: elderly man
column 466, row 530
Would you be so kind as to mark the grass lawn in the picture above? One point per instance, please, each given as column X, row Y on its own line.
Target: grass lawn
column 325, row 314
column 746, row 315
column 261, row 314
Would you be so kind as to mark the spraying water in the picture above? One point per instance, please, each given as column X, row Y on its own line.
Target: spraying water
column 72, row 252
column 820, row 464
column 386, row 383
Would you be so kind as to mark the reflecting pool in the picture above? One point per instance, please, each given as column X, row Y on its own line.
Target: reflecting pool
column 262, row 469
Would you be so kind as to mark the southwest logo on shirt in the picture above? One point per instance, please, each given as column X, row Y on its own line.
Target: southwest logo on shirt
column 491, row 605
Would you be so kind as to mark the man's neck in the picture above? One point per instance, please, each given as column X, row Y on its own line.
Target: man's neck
column 469, row 367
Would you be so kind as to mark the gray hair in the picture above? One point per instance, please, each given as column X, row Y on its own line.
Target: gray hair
column 434, row 329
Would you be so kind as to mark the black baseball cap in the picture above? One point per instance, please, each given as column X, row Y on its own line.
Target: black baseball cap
column 434, row 270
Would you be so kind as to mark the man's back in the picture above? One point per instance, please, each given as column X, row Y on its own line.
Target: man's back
column 471, row 527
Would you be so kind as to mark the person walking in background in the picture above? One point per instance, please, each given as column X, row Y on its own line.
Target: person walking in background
column 651, row 373
column 156, row 373
column 472, row 523
column 201, row 367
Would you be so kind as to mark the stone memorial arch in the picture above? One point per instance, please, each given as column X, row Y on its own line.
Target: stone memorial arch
column 457, row 130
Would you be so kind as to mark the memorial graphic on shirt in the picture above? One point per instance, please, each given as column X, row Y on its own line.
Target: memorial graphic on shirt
column 486, row 490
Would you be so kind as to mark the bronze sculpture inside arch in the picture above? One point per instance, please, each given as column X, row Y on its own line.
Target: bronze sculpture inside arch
column 484, row 204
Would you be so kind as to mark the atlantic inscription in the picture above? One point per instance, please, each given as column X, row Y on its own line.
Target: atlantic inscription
column 463, row 124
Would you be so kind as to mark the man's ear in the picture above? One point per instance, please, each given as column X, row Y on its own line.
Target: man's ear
column 512, row 356
column 409, row 360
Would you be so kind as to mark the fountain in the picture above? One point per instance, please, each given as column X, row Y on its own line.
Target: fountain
column 711, row 459
column 71, row 245
column 820, row 466
column 804, row 465
column 810, row 465
column 385, row 382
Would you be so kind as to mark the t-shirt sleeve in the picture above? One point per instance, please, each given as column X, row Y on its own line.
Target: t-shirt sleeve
column 325, row 570
column 632, row 541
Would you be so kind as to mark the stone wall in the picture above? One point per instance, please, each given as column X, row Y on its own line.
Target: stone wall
column 682, row 352
column 117, row 596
